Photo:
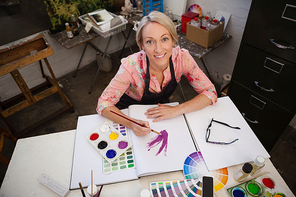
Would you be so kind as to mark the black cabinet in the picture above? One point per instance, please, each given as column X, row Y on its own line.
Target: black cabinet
column 263, row 84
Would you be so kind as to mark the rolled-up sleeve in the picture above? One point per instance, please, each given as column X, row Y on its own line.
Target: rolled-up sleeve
column 114, row 90
column 197, row 78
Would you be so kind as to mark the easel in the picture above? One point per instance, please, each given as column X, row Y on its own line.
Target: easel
column 18, row 56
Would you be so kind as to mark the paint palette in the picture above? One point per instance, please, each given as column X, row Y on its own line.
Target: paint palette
column 191, row 187
column 195, row 167
column 108, row 141
column 264, row 185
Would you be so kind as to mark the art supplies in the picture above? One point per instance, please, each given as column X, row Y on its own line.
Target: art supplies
column 108, row 141
column 146, row 162
column 82, row 192
column 264, row 185
column 195, row 167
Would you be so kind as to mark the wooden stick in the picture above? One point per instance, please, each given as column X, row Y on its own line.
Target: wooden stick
column 133, row 121
column 91, row 187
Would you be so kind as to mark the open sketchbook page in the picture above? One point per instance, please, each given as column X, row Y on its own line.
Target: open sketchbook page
column 86, row 158
column 216, row 156
column 180, row 144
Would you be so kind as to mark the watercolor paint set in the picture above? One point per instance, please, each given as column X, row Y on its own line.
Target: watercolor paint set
column 108, row 141
column 194, row 167
column 191, row 187
column 262, row 186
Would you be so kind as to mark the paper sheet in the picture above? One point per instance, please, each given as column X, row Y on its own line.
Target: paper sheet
column 246, row 149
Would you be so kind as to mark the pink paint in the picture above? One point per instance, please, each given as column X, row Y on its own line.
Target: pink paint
column 157, row 140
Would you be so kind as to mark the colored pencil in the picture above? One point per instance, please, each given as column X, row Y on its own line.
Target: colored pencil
column 83, row 194
column 133, row 121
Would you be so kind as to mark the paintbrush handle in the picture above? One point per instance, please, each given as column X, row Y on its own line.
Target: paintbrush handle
column 133, row 121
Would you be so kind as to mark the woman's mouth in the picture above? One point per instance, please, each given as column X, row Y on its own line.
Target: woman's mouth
column 159, row 56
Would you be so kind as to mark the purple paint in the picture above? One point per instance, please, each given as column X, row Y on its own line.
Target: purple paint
column 160, row 138
column 122, row 144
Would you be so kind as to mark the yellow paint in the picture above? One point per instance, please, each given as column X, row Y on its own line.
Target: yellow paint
column 113, row 136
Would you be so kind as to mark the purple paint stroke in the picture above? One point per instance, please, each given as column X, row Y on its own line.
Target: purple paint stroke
column 160, row 138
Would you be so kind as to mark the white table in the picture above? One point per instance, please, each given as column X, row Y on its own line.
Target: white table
column 52, row 155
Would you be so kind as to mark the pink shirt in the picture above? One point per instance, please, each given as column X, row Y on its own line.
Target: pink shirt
column 130, row 78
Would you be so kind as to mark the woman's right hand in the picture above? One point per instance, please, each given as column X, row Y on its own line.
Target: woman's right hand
column 141, row 130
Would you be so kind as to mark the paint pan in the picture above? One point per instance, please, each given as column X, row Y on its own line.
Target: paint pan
column 194, row 167
column 108, row 141
column 264, row 185
column 191, row 187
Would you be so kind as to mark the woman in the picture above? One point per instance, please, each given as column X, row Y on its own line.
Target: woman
column 151, row 76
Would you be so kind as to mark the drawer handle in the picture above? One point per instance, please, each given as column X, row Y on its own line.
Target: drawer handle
column 251, row 121
column 262, row 88
column 281, row 45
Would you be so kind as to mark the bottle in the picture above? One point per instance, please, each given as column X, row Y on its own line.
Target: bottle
column 213, row 24
column 171, row 15
column 258, row 164
column 243, row 173
column 195, row 22
column 166, row 12
column 205, row 23
column 69, row 31
column 74, row 25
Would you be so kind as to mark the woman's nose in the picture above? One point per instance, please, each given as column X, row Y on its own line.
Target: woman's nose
column 157, row 47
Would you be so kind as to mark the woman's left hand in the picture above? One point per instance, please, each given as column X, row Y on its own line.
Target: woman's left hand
column 161, row 112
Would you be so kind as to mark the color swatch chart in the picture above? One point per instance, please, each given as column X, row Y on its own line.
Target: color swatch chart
column 195, row 167
column 108, row 141
column 192, row 187
column 125, row 161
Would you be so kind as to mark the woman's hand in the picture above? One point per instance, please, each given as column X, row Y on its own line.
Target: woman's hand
column 161, row 112
column 141, row 130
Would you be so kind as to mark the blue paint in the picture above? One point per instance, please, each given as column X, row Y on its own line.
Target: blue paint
column 111, row 153
column 238, row 192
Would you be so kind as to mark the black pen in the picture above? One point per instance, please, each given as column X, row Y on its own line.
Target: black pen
column 83, row 194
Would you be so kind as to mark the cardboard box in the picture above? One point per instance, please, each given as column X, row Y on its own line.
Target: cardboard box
column 187, row 17
column 203, row 37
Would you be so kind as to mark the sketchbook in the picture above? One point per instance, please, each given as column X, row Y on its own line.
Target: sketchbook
column 147, row 161
column 100, row 17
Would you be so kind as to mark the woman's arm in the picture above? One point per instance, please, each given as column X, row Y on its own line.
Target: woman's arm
column 138, row 130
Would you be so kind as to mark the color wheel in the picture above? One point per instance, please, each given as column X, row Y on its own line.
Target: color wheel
column 195, row 167
column 195, row 8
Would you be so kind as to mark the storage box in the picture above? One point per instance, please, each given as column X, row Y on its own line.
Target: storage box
column 203, row 37
column 187, row 17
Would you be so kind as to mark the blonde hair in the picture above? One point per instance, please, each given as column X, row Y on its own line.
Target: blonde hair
column 158, row 17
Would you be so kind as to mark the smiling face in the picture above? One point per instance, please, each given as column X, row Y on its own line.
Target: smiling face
column 158, row 44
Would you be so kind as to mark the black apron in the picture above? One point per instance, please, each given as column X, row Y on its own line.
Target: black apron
column 150, row 97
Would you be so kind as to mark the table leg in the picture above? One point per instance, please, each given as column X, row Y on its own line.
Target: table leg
column 126, row 41
column 107, row 46
column 80, row 60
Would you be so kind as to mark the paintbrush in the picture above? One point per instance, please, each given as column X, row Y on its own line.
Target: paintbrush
column 91, row 184
column 133, row 121
column 83, row 194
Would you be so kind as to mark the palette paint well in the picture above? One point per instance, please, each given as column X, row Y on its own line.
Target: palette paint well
column 192, row 187
column 195, row 167
column 108, row 141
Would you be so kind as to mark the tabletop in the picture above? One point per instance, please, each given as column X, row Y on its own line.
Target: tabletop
column 52, row 155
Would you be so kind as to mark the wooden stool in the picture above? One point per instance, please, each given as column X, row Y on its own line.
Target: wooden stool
column 19, row 56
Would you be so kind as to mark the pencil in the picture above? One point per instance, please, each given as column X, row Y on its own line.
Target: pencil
column 83, row 194
column 133, row 121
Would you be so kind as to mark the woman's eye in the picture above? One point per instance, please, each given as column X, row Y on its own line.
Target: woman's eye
column 165, row 39
column 149, row 42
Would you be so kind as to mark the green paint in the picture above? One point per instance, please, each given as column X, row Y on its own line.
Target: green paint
column 129, row 153
column 122, row 158
column 107, row 165
column 122, row 167
column 123, row 162
column 107, row 170
column 105, row 161
column 130, row 161
column 114, row 164
column 129, row 157
column 115, row 168
column 131, row 165
column 253, row 188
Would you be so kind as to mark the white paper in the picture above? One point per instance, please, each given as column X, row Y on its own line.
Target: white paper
column 246, row 149
column 180, row 144
column 177, row 7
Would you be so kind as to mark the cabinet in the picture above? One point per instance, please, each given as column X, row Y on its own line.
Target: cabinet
column 263, row 85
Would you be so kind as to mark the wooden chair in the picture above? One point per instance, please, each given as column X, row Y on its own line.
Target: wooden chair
column 4, row 133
